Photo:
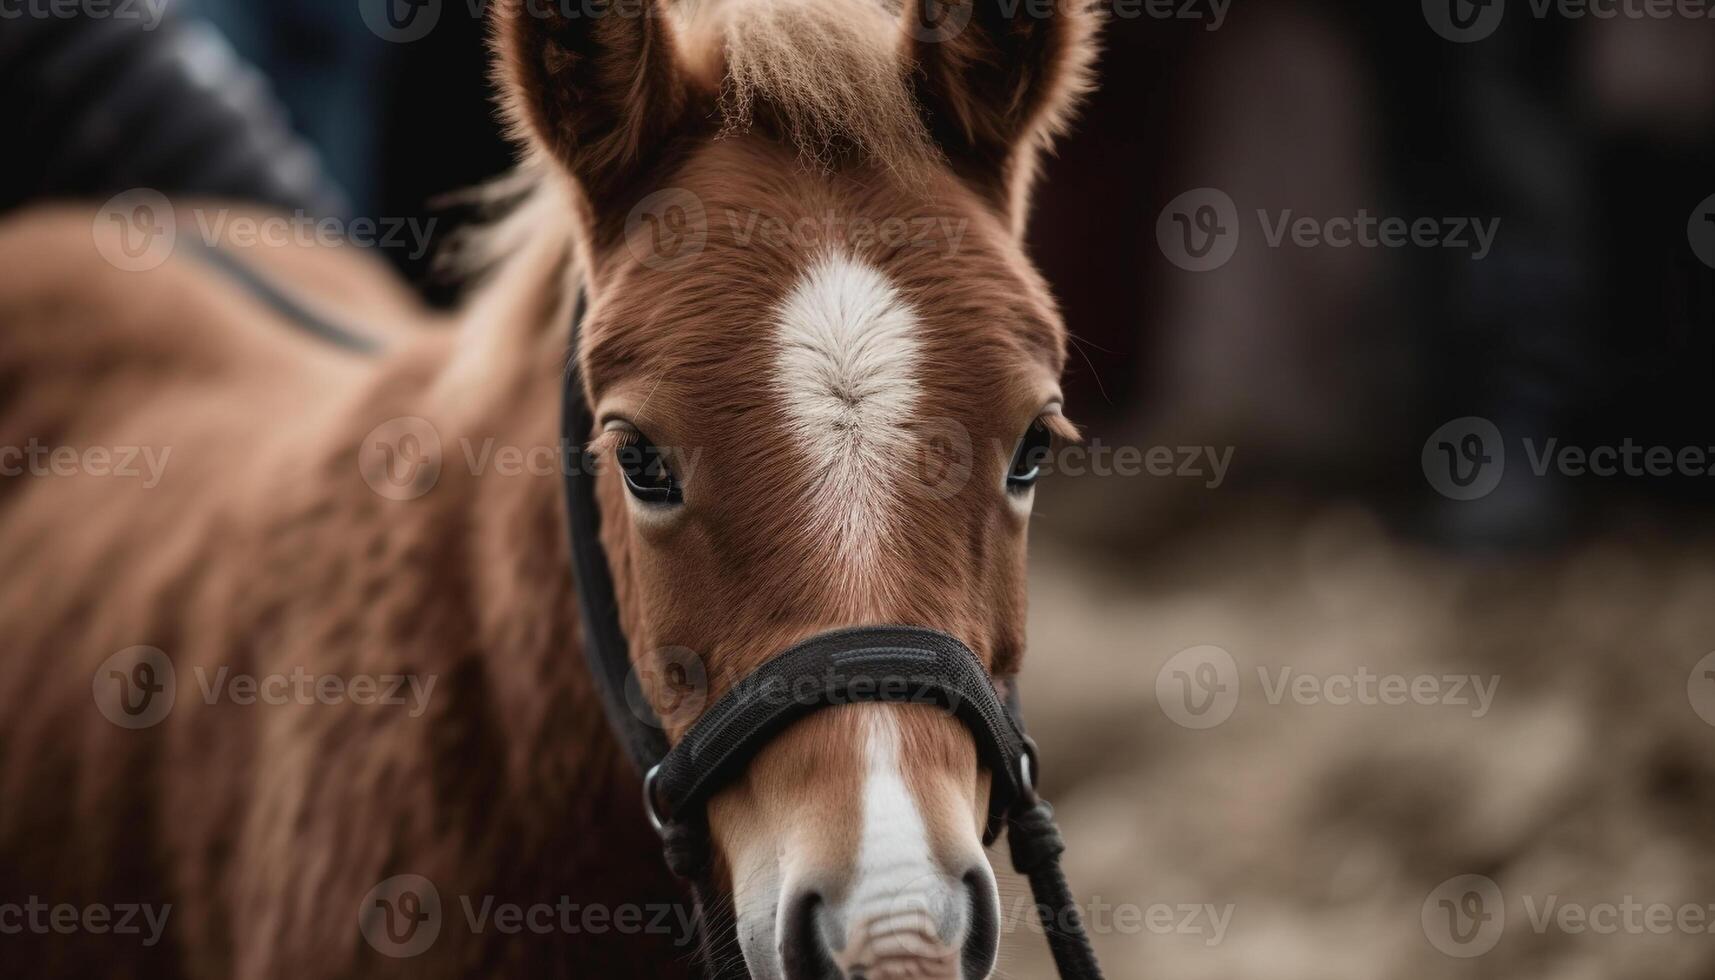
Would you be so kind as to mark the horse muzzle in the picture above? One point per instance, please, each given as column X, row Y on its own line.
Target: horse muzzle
column 934, row 927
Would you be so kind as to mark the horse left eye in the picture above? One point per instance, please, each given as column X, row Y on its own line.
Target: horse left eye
column 1028, row 458
column 647, row 475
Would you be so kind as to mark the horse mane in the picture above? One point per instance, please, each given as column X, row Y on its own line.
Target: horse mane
column 515, row 210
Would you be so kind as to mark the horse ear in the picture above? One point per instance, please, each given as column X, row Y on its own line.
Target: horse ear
column 998, row 80
column 600, row 91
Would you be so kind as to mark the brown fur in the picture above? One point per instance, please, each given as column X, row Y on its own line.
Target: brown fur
column 263, row 549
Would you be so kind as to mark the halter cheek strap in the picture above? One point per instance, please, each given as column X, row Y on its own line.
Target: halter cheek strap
column 870, row 664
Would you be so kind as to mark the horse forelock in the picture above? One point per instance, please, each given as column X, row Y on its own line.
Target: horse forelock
column 828, row 73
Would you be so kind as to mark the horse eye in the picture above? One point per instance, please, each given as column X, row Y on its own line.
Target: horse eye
column 1028, row 458
column 647, row 474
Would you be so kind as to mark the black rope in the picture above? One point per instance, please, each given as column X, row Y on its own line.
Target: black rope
column 1036, row 846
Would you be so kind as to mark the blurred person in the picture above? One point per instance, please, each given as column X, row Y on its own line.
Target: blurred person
column 103, row 105
column 393, row 95
column 1582, row 144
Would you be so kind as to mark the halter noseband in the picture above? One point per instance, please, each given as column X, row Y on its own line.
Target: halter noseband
column 866, row 664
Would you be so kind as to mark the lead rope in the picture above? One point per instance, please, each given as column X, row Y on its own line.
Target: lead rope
column 1036, row 846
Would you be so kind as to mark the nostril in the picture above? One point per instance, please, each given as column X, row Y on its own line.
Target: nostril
column 802, row 952
column 982, row 942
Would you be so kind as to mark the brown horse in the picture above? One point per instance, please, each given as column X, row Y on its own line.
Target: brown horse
column 339, row 724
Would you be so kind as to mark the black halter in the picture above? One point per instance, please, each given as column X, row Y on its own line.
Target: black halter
column 865, row 664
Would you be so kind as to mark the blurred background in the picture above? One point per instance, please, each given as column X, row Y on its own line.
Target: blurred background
column 1370, row 626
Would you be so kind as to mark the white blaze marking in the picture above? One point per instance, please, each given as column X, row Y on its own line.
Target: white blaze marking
column 846, row 369
column 896, row 875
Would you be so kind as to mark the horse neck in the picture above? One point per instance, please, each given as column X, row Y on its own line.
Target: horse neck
column 503, row 385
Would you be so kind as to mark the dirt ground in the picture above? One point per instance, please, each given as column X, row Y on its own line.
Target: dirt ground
column 1315, row 832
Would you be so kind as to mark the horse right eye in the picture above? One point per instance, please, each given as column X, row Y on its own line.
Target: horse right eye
column 647, row 475
column 1028, row 458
